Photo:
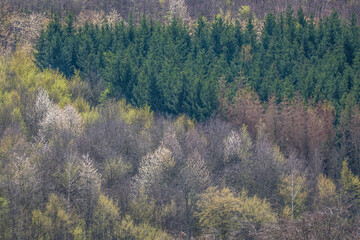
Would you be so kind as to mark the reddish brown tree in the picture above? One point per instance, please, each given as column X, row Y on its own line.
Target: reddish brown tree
column 246, row 109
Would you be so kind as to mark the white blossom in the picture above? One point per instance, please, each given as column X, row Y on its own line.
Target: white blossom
column 153, row 166
column 54, row 119
column 178, row 9
column 237, row 145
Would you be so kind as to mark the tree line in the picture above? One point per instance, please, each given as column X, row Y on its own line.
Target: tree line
column 159, row 8
column 175, row 67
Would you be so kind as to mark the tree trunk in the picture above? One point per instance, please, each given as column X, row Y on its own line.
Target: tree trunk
column 188, row 217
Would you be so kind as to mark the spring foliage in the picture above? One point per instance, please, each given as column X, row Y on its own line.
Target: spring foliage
column 225, row 213
column 100, row 135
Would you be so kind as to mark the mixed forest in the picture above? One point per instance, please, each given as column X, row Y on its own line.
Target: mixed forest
column 179, row 119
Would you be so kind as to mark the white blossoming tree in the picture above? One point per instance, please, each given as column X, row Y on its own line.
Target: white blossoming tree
column 237, row 146
column 53, row 119
column 178, row 9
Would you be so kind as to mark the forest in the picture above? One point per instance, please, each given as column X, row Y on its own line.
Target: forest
column 179, row 119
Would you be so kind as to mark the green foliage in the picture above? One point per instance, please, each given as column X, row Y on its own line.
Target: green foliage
column 55, row 222
column 119, row 77
column 225, row 213
column 27, row 75
column 293, row 190
column 115, row 168
column 19, row 84
column 172, row 70
column 350, row 182
column 4, row 219
column 350, row 186
column 327, row 195
column 143, row 208
column 106, row 219
column 142, row 116
column 144, row 231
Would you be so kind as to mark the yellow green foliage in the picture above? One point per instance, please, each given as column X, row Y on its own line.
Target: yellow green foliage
column 81, row 105
column 89, row 115
column 144, row 231
column 326, row 191
column 184, row 122
column 225, row 15
column 106, row 219
column 222, row 213
column 20, row 80
column 245, row 11
column 24, row 74
column 55, row 222
column 279, row 155
column 256, row 210
column 6, row 144
column 77, row 88
column 165, row 212
column 10, row 108
column 144, row 209
column 115, row 168
column 4, row 217
column 9, row 142
column 293, row 192
column 350, row 183
column 79, row 232
column 143, row 116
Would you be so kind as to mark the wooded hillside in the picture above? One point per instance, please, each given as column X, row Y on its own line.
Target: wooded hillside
column 206, row 120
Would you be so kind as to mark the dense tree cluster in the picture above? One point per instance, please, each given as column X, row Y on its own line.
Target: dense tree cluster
column 179, row 130
column 69, row 171
column 175, row 67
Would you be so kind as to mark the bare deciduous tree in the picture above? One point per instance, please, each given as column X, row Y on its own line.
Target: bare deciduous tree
column 194, row 179
column 22, row 184
column 70, row 178
column 89, row 188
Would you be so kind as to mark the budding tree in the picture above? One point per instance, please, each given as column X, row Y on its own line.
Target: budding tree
column 225, row 215
column 55, row 222
column 267, row 165
column 293, row 190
